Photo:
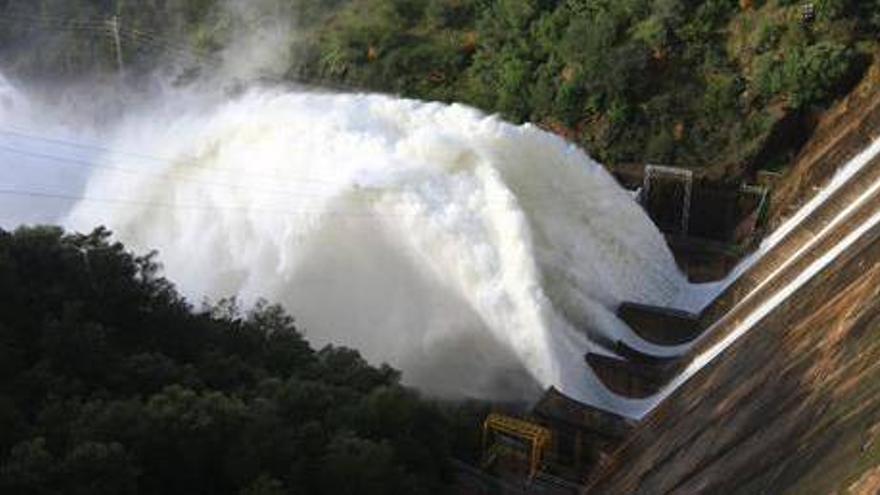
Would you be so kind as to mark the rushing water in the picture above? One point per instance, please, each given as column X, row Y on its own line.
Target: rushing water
column 481, row 258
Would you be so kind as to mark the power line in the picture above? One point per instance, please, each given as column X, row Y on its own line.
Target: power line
column 105, row 27
column 100, row 25
column 328, row 212
column 192, row 164
column 63, row 27
column 523, row 199
column 177, row 50
column 299, row 194
column 169, row 177
column 184, row 206
column 145, row 39
column 167, row 161
column 19, row 133
column 53, row 21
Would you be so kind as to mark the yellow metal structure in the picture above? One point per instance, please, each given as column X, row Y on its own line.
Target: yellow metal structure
column 538, row 438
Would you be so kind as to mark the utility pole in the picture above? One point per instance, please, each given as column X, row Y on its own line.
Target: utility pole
column 114, row 28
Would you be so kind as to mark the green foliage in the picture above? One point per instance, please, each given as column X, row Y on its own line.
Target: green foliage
column 29, row 469
column 359, row 466
column 833, row 9
column 628, row 79
column 264, row 485
column 721, row 99
column 93, row 468
column 869, row 13
column 116, row 385
column 807, row 76
column 768, row 35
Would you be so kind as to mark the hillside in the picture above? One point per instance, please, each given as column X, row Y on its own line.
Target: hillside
column 110, row 383
column 711, row 84
column 718, row 85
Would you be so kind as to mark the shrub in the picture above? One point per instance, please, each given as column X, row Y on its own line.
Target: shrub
column 807, row 76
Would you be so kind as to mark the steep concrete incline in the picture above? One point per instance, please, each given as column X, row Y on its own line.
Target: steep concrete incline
column 791, row 407
column 782, row 394
column 841, row 133
column 847, row 199
column 825, row 157
column 815, row 236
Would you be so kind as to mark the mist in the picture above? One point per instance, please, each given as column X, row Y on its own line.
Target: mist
column 483, row 259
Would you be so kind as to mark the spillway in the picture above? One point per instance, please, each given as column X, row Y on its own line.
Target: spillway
column 780, row 394
column 481, row 258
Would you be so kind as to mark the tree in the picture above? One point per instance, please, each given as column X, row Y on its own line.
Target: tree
column 356, row 466
column 94, row 468
column 116, row 385
column 808, row 75
column 30, row 469
column 264, row 485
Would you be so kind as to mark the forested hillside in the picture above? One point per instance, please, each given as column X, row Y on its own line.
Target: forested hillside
column 110, row 383
column 729, row 84
column 695, row 83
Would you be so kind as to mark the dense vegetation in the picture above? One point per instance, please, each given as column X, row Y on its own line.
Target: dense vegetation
column 110, row 383
column 687, row 82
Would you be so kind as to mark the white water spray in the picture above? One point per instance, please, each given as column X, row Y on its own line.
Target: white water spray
column 452, row 245
column 10, row 100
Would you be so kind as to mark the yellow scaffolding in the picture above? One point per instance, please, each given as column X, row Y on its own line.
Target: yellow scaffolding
column 538, row 437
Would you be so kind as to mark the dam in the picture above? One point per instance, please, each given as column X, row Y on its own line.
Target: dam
column 788, row 357
column 549, row 274
column 774, row 385
column 476, row 247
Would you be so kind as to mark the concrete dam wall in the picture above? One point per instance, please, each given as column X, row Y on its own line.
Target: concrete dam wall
column 780, row 393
